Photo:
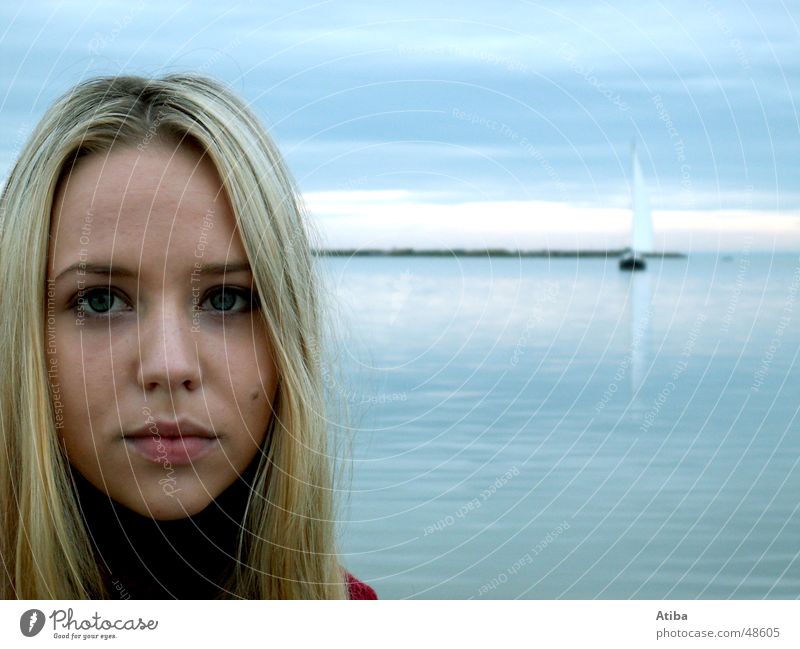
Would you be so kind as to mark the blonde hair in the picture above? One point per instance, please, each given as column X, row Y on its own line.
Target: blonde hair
column 287, row 547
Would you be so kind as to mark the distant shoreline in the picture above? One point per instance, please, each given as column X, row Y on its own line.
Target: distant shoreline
column 486, row 252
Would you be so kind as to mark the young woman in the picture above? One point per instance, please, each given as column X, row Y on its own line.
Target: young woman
column 162, row 410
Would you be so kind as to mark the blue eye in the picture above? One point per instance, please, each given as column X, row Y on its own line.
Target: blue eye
column 224, row 299
column 99, row 301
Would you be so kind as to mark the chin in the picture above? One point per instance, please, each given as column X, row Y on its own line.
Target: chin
column 172, row 505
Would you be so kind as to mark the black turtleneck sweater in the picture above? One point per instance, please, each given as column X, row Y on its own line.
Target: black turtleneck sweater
column 142, row 558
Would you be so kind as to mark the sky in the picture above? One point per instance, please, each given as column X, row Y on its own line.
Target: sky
column 472, row 124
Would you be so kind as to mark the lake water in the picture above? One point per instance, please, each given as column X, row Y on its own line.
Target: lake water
column 545, row 429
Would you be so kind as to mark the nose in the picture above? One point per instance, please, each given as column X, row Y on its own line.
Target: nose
column 168, row 353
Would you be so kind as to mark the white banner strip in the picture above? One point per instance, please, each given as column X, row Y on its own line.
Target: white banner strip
column 403, row 624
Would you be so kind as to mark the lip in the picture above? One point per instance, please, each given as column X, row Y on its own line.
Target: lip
column 170, row 442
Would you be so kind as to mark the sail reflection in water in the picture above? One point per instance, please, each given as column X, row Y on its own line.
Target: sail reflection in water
column 640, row 314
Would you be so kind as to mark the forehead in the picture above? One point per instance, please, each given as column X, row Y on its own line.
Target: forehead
column 130, row 203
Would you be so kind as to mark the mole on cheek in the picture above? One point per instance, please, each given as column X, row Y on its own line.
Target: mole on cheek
column 254, row 396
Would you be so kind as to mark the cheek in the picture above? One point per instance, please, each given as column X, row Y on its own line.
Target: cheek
column 251, row 365
column 83, row 373
column 254, row 380
column 72, row 405
column 254, row 391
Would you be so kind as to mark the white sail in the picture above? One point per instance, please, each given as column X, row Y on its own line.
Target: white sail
column 642, row 226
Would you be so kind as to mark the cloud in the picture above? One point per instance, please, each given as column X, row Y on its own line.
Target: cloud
column 362, row 96
column 396, row 218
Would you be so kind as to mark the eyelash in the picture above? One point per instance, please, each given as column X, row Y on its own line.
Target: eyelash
column 250, row 298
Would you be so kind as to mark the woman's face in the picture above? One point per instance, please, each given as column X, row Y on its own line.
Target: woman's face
column 163, row 383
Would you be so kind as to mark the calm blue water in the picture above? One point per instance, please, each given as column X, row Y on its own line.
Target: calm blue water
column 559, row 429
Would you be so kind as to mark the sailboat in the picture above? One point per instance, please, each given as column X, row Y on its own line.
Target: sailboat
column 642, row 225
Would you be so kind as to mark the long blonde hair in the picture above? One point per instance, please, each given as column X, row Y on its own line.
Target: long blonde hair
column 287, row 548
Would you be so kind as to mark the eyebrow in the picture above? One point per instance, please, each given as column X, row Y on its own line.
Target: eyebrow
column 121, row 271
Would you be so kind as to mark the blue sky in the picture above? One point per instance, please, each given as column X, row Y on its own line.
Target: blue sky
column 457, row 124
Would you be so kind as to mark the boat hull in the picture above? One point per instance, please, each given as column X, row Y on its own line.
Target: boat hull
column 632, row 263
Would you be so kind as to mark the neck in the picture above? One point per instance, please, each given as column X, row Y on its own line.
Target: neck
column 187, row 558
